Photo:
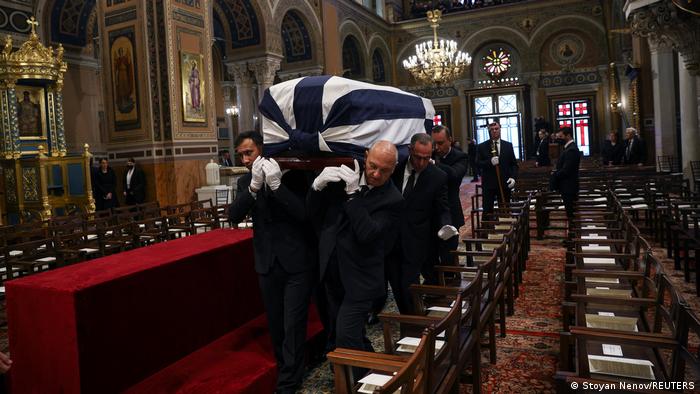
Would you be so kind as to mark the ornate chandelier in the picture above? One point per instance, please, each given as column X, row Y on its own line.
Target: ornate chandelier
column 437, row 62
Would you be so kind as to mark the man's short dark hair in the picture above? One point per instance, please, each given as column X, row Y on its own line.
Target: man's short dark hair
column 253, row 135
column 441, row 128
column 493, row 123
column 421, row 138
column 567, row 131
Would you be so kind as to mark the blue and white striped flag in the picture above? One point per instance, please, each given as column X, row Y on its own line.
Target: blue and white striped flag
column 334, row 114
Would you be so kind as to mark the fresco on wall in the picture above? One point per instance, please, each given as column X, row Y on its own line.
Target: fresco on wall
column 124, row 83
column 193, row 103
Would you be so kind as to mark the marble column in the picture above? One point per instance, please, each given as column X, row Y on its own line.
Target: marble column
column 228, row 94
column 245, row 96
column 690, row 134
column 461, row 86
column 662, row 70
column 605, row 84
column 264, row 71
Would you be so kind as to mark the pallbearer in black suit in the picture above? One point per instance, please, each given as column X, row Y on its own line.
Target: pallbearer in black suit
column 424, row 214
column 452, row 162
column 504, row 157
column 543, row 159
column 565, row 177
column 283, row 259
column 354, row 216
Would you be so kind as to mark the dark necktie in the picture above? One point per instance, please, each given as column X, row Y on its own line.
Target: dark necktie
column 498, row 148
column 409, row 184
column 364, row 190
column 629, row 151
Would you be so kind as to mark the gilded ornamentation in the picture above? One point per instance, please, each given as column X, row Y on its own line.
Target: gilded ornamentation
column 30, row 184
column 32, row 60
column 10, row 187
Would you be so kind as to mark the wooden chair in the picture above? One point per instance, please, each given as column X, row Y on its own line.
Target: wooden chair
column 28, row 257
column 404, row 375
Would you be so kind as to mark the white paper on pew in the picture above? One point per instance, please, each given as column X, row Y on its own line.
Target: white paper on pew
column 16, row 253
column 441, row 335
column 595, row 248
column 89, row 250
column 372, row 382
column 602, row 280
column 600, row 199
column 606, row 314
column 599, row 260
column 410, row 344
column 612, row 293
column 629, row 367
column 439, row 309
column 593, row 227
column 594, row 236
column 636, row 199
column 621, row 189
column 684, row 206
column 600, row 206
column 561, row 207
column 612, row 350
column 624, row 195
column 640, row 206
column 46, row 259
column 587, row 220
column 90, row 237
column 602, row 288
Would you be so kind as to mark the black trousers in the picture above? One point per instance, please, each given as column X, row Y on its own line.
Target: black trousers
column 569, row 200
column 402, row 275
column 286, row 297
column 489, row 195
column 347, row 316
column 447, row 258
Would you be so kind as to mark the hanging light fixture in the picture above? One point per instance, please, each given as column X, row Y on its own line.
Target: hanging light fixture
column 437, row 62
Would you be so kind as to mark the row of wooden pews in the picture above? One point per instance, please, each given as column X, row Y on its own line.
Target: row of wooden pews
column 29, row 248
column 438, row 347
column 625, row 325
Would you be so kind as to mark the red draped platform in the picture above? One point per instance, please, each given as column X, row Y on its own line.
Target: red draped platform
column 180, row 316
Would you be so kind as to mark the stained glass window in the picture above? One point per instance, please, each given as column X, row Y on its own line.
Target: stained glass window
column 483, row 105
column 507, row 103
column 378, row 67
column 577, row 115
column 437, row 120
column 496, row 62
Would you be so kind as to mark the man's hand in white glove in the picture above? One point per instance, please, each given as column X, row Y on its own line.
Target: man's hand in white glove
column 447, row 232
column 328, row 175
column 258, row 176
column 351, row 177
column 511, row 183
column 273, row 173
column 494, row 160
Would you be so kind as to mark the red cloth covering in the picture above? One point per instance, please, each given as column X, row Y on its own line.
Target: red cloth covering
column 106, row 324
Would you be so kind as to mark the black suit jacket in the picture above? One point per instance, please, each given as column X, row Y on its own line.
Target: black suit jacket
column 137, row 189
column 507, row 162
column 278, row 222
column 424, row 212
column 455, row 166
column 565, row 177
column 543, row 153
column 612, row 154
column 637, row 152
column 358, row 232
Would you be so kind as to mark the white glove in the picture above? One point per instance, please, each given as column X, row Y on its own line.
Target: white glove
column 511, row 183
column 328, row 175
column 351, row 177
column 258, row 178
column 447, row 232
column 273, row 173
column 494, row 160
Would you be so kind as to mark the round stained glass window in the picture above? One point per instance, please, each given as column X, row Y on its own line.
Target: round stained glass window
column 496, row 62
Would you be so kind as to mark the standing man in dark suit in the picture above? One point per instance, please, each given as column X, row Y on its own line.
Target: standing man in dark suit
column 635, row 151
column 487, row 161
column 134, row 183
column 424, row 213
column 471, row 154
column 452, row 162
column 565, row 177
column 612, row 150
column 225, row 159
column 283, row 259
column 543, row 150
column 354, row 216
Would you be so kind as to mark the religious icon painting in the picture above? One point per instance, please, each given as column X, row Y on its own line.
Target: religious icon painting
column 124, row 81
column 31, row 111
column 193, row 103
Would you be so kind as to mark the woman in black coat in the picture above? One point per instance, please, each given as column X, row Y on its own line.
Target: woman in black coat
column 105, row 185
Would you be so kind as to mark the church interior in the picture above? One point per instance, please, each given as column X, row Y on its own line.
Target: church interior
column 103, row 290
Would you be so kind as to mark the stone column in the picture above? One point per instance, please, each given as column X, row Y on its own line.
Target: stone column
column 228, row 94
column 605, row 84
column 690, row 134
column 245, row 96
column 662, row 70
column 265, row 70
column 461, row 86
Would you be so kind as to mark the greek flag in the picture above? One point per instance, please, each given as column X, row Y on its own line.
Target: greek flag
column 333, row 114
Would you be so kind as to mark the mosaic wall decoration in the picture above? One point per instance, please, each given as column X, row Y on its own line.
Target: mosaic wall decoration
column 567, row 49
column 122, row 44
column 242, row 21
column 69, row 20
column 297, row 44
